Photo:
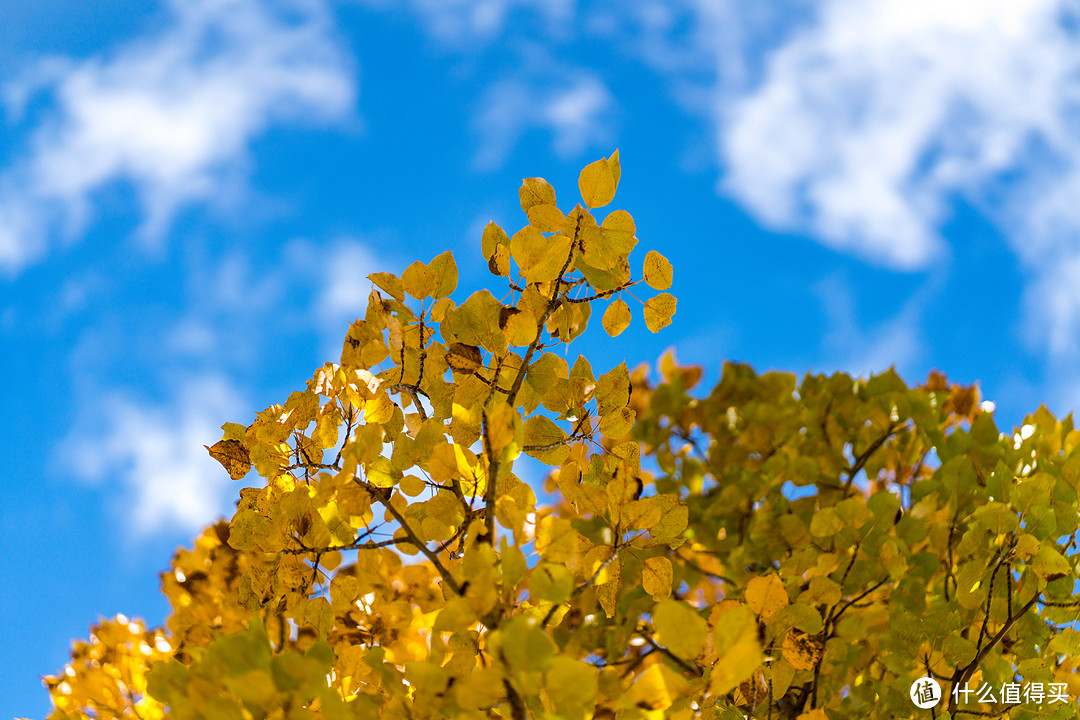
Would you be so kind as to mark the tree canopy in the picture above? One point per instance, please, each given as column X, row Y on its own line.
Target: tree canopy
column 774, row 548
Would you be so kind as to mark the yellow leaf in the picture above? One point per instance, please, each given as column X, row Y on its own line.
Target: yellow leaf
column 232, row 456
column 535, row 191
column 616, row 167
column 411, row 485
column 657, row 688
column 680, row 628
column 613, row 389
column 556, row 539
column 616, row 317
column 476, row 322
column 657, row 271
column 597, row 183
column 608, row 593
column 462, row 358
column 658, row 311
column 642, row 514
column 481, row 688
column 736, row 642
column 519, row 327
column 494, row 236
column 802, row 650
column 503, row 428
column 617, row 424
column 499, row 263
column 618, row 229
column 390, row 283
column 597, row 565
column 233, row 431
column 418, row 280
column 539, row 258
column 445, row 274
column 379, row 409
column 440, row 308
column 766, row 596
column 544, row 440
column 451, row 462
column 547, row 218
column 571, row 685
column 656, row 577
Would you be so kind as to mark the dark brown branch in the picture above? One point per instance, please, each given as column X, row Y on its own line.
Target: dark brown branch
column 583, row 587
column 964, row 674
column 413, row 539
column 861, row 461
column 413, row 392
column 684, row 664
column 836, row 618
column 517, row 705
column 604, row 294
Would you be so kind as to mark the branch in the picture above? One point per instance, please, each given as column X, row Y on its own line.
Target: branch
column 413, row 539
column 862, row 459
column 684, row 664
column 511, row 397
column 584, row 586
column 604, row 294
column 572, row 438
column 836, row 618
column 413, row 392
column 517, row 706
column 358, row 545
column 964, row 674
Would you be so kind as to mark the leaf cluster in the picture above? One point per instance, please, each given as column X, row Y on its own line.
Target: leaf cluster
column 781, row 548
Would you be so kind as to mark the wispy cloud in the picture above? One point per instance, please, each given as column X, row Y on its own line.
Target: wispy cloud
column 145, row 445
column 155, row 453
column 172, row 114
column 862, row 124
column 536, row 89
column 469, row 21
column 575, row 111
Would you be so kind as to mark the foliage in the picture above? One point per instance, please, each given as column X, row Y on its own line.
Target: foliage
column 778, row 548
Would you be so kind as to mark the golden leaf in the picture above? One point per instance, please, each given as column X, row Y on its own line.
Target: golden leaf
column 418, row 280
column 463, row 358
column 445, row 274
column 657, row 271
column 547, row 218
column 802, row 650
column 616, row 317
column 597, row 183
column 233, row 457
column 535, row 191
column 766, row 595
column 656, row 577
column 390, row 283
column 658, row 311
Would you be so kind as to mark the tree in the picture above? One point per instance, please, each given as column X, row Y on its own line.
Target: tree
column 776, row 548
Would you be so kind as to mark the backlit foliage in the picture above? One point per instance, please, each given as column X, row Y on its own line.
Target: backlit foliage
column 778, row 548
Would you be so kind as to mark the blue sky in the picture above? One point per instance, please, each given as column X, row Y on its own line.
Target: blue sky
column 193, row 192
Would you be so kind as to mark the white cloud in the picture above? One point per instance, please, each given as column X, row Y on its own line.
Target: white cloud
column 468, row 21
column 575, row 111
column 866, row 122
column 343, row 283
column 156, row 454
column 861, row 124
column 172, row 114
column 239, row 315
